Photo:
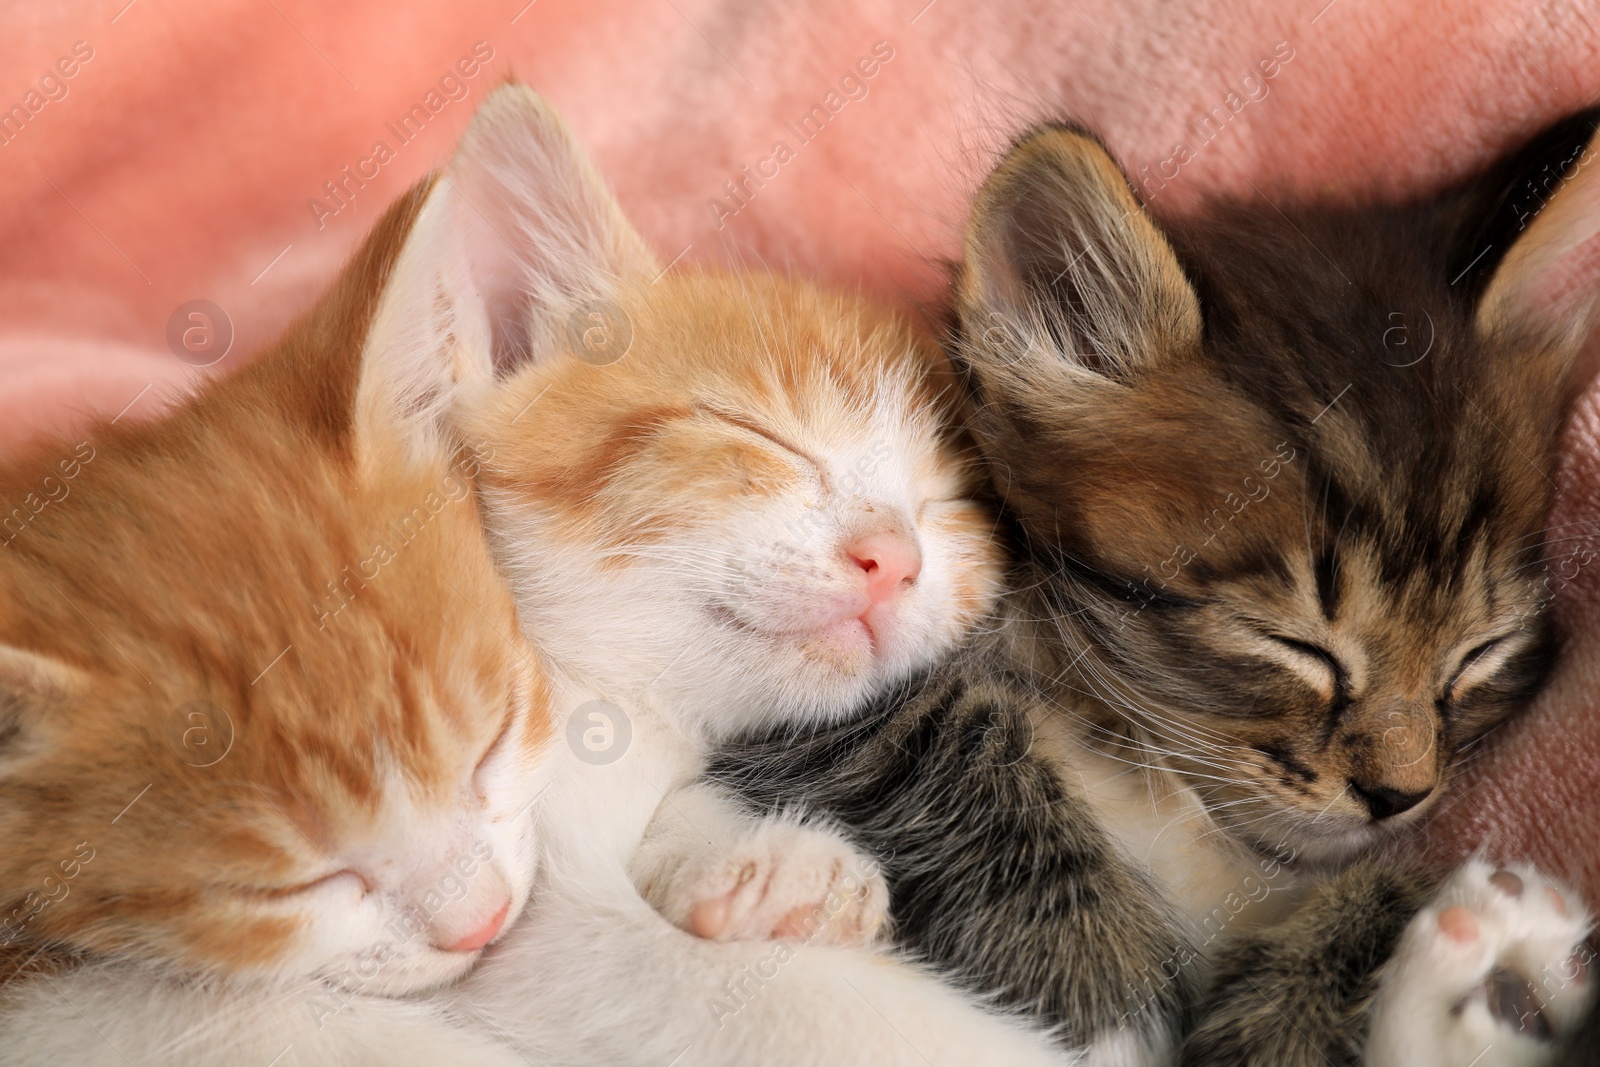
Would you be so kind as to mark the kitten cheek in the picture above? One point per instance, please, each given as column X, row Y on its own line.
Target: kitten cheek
column 237, row 938
column 963, row 550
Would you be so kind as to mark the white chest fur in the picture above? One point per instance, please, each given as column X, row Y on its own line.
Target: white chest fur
column 615, row 762
column 1221, row 888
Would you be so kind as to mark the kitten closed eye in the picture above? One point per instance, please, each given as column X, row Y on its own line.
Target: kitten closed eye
column 1327, row 672
column 338, row 881
column 1480, row 663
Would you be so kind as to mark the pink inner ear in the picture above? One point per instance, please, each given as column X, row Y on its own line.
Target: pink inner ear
column 480, row 213
column 486, row 225
column 536, row 227
column 1570, row 278
column 1552, row 273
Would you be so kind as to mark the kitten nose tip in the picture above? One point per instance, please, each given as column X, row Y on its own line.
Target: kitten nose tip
column 891, row 563
column 1384, row 802
column 476, row 939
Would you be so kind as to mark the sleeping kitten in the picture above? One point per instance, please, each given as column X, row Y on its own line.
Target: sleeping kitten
column 269, row 735
column 727, row 500
column 1279, row 480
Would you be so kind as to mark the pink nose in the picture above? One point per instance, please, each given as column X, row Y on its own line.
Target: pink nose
column 484, row 934
column 891, row 563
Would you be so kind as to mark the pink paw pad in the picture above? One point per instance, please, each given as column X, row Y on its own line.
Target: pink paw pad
column 1458, row 924
column 710, row 918
column 1556, row 901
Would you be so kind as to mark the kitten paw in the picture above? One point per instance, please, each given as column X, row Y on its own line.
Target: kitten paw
column 1492, row 972
column 785, row 883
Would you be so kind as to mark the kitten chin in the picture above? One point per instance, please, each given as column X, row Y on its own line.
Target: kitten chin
column 1311, row 850
column 847, row 647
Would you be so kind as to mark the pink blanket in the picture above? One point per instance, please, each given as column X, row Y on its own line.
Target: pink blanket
column 156, row 153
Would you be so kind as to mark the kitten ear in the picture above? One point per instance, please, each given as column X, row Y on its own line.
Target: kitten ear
column 1547, row 288
column 1062, row 260
column 28, row 682
column 539, row 232
column 517, row 234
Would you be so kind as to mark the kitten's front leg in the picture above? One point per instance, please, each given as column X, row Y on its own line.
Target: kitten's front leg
column 1297, row 994
column 718, row 873
column 1491, row 972
column 1379, row 968
column 1001, row 878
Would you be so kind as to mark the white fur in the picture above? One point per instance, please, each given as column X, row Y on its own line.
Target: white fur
column 1430, row 1010
column 594, row 975
column 113, row 1015
column 434, row 877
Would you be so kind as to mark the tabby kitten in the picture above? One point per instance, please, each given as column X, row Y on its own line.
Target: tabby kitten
column 1278, row 479
column 269, row 734
column 723, row 500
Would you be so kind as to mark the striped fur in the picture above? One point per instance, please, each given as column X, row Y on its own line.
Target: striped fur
column 1000, row 873
column 1277, row 481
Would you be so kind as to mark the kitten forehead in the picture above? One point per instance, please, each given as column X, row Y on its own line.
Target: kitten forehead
column 776, row 370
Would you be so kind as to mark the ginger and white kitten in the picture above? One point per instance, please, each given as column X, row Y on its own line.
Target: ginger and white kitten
column 728, row 500
column 269, row 735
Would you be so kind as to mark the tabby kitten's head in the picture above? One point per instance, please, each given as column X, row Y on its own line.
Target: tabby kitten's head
column 265, row 711
column 733, row 494
column 1283, row 481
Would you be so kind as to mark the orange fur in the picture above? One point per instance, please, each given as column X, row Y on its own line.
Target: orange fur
column 204, row 557
column 727, row 379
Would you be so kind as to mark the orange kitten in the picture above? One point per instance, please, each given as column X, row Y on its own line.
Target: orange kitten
column 269, row 735
column 723, row 501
